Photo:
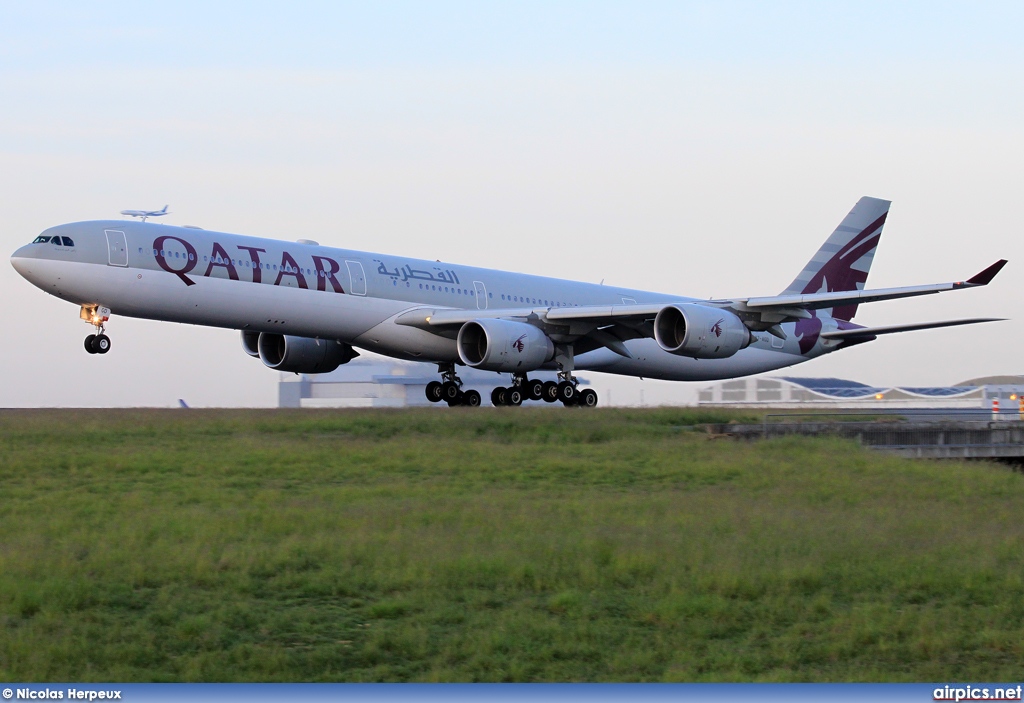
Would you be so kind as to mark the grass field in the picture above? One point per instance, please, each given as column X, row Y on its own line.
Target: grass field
column 493, row 545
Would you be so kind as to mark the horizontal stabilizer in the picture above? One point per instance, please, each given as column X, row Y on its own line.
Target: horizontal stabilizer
column 892, row 329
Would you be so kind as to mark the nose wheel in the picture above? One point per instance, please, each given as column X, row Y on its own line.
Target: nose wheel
column 96, row 315
column 97, row 343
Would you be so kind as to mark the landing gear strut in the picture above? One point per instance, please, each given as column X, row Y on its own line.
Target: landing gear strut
column 96, row 315
column 567, row 387
column 449, row 389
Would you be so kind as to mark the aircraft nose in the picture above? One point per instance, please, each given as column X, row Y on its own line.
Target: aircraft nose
column 21, row 260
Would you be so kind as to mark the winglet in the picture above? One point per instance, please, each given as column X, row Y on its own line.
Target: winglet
column 986, row 276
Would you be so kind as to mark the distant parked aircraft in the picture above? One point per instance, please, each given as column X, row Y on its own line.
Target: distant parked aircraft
column 145, row 213
column 305, row 308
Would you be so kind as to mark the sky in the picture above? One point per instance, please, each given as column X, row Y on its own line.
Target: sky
column 703, row 149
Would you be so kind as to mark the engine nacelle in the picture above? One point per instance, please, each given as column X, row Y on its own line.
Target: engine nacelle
column 700, row 331
column 301, row 354
column 251, row 343
column 504, row 346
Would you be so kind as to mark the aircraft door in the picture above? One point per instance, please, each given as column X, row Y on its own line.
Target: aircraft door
column 481, row 295
column 357, row 279
column 117, row 248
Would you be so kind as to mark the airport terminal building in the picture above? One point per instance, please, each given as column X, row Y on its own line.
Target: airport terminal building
column 785, row 392
column 383, row 383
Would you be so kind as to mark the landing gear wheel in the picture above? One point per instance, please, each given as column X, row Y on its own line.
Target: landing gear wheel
column 449, row 391
column 101, row 344
column 587, row 398
column 566, row 392
column 514, row 397
column 455, row 402
column 533, row 390
column 88, row 343
column 471, row 399
column 434, row 391
column 497, row 397
column 549, row 392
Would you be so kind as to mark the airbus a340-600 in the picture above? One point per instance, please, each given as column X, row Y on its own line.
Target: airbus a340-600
column 306, row 308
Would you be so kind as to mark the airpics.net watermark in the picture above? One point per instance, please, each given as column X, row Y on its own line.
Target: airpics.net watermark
column 967, row 692
column 58, row 694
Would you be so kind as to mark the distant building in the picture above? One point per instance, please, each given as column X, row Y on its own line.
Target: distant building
column 384, row 383
column 803, row 393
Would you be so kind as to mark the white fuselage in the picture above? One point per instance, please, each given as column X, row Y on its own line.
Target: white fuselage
column 182, row 274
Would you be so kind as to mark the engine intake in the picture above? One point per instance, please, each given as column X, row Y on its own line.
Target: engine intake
column 299, row 354
column 700, row 331
column 504, row 346
column 251, row 343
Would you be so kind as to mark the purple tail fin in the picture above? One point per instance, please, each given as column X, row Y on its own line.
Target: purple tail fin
column 843, row 261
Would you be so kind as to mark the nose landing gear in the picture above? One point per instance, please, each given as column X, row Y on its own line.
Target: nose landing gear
column 96, row 315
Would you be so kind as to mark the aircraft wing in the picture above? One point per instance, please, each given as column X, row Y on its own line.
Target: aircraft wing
column 432, row 317
column 610, row 325
column 865, row 332
column 814, row 301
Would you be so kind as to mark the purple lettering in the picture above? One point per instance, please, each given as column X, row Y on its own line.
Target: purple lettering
column 161, row 258
column 323, row 274
column 257, row 272
column 225, row 261
column 290, row 268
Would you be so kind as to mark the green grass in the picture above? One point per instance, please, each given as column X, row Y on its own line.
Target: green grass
column 493, row 545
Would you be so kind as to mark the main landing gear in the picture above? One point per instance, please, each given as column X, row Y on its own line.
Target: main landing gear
column 564, row 390
column 450, row 389
column 96, row 315
column 523, row 388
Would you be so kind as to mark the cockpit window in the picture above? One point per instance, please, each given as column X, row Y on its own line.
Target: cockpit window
column 40, row 240
column 68, row 242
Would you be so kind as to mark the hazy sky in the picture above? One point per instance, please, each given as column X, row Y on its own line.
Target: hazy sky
column 705, row 149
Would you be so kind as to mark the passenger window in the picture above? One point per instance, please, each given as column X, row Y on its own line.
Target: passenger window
column 68, row 242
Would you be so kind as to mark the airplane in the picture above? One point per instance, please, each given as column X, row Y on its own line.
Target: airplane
column 305, row 308
column 145, row 214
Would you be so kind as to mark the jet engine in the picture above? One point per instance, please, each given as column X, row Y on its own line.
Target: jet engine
column 297, row 354
column 700, row 331
column 504, row 346
column 251, row 343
